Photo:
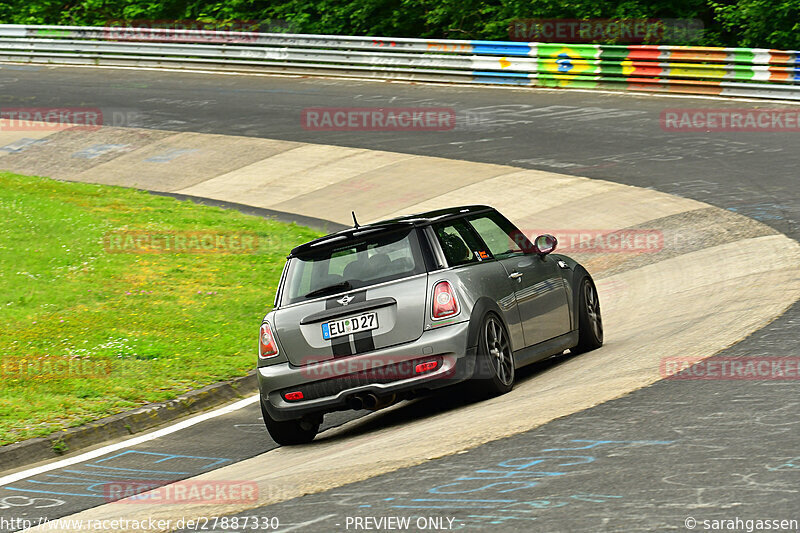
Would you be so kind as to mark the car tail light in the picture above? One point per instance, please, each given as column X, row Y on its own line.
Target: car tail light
column 427, row 366
column 267, row 347
column 445, row 304
column 294, row 396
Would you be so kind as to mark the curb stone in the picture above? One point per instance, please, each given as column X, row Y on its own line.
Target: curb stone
column 125, row 424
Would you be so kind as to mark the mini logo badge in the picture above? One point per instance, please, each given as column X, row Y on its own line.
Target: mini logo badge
column 346, row 299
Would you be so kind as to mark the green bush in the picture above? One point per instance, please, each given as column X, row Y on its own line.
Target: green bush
column 761, row 23
column 751, row 23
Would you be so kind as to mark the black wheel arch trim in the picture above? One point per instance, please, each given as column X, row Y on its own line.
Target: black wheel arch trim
column 579, row 274
column 481, row 308
column 573, row 276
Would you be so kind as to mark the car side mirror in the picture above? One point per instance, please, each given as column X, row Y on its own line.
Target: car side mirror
column 545, row 244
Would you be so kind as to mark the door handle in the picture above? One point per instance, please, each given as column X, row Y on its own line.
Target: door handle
column 515, row 275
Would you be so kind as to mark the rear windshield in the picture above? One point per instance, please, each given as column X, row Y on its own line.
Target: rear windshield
column 355, row 263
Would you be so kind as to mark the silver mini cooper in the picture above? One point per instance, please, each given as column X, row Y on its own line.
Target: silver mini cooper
column 374, row 314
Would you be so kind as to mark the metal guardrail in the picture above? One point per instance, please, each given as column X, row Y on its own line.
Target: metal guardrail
column 749, row 72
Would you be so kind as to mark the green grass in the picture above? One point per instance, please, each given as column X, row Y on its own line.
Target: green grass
column 131, row 328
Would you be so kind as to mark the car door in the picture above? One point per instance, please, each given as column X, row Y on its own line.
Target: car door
column 479, row 274
column 538, row 286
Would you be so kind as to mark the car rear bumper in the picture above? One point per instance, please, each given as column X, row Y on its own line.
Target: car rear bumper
column 327, row 386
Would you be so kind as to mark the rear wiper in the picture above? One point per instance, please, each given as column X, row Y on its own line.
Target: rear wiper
column 344, row 286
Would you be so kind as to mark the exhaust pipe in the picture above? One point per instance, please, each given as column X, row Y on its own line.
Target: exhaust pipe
column 380, row 402
column 355, row 403
column 370, row 401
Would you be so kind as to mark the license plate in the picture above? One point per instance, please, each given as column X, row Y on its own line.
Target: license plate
column 346, row 326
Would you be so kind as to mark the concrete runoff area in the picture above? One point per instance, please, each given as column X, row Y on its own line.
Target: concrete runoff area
column 686, row 301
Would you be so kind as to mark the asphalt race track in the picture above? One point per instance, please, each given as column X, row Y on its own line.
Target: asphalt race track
column 613, row 137
column 647, row 461
column 186, row 453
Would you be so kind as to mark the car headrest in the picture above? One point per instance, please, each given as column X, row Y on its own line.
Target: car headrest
column 402, row 264
column 455, row 249
column 378, row 264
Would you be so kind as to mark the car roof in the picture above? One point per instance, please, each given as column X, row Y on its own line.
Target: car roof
column 382, row 226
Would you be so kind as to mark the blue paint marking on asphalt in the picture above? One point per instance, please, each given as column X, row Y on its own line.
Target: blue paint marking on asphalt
column 96, row 150
column 595, row 443
column 54, row 492
column 761, row 212
column 138, row 470
column 214, row 461
column 518, row 485
column 533, row 461
column 536, row 505
column 116, row 476
column 89, row 486
column 547, row 468
column 22, row 144
column 455, row 500
column 170, row 155
column 791, row 464
column 94, row 488
column 506, row 474
column 490, row 505
column 98, row 478
column 79, row 481
column 434, row 503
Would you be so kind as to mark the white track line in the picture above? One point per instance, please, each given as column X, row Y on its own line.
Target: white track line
column 128, row 443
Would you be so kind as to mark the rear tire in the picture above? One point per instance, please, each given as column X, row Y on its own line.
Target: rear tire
column 590, row 321
column 494, row 363
column 290, row 432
